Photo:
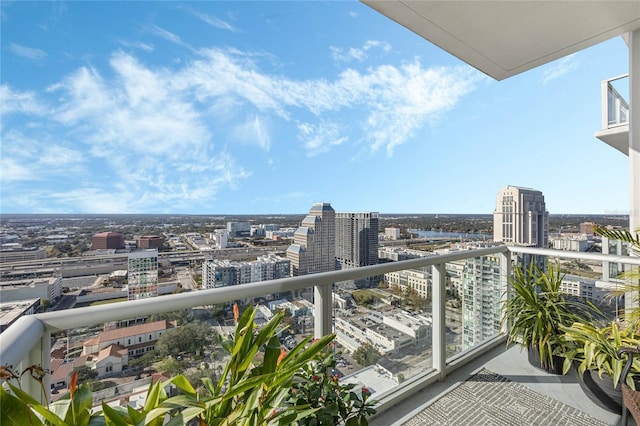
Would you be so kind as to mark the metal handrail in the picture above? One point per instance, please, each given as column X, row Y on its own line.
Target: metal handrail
column 31, row 333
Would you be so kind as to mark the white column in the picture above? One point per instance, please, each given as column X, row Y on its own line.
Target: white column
column 634, row 130
column 322, row 310
column 438, row 331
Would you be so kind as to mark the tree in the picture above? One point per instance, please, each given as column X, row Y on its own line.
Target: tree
column 366, row 355
column 190, row 338
column 86, row 374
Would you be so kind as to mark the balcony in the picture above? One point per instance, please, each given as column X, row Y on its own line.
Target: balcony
column 422, row 372
column 615, row 113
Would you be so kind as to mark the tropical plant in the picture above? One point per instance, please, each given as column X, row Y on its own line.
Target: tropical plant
column 631, row 285
column 316, row 385
column 18, row 408
column 536, row 308
column 596, row 348
column 251, row 389
column 250, row 392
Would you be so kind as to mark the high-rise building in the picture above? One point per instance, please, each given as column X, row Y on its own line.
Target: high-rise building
column 313, row 249
column 357, row 242
column 356, row 239
column 481, row 294
column 142, row 274
column 521, row 217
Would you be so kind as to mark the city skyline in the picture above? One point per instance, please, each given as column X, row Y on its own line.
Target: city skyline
column 269, row 107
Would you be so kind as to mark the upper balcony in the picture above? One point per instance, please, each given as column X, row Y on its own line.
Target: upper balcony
column 615, row 113
column 451, row 339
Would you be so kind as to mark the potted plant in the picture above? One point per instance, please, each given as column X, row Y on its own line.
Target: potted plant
column 594, row 350
column 536, row 309
column 630, row 287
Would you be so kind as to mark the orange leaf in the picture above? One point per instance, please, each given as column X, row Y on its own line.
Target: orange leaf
column 236, row 312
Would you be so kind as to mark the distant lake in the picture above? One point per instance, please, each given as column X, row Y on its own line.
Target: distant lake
column 441, row 234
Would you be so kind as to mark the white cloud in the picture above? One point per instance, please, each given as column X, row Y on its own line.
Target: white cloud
column 27, row 52
column 321, row 137
column 559, row 68
column 214, row 22
column 157, row 135
column 254, row 131
column 12, row 101
column 137, row 45
column 168, row 35
column 358, row 53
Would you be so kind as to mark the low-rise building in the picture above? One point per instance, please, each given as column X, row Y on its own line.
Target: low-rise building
column 35, row 288
column 11, row 311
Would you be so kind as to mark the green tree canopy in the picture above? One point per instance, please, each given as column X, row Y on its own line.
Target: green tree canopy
column 189, row 339
column 366, row 354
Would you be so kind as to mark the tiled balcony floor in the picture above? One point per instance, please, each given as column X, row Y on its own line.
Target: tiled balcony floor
column 513, row 365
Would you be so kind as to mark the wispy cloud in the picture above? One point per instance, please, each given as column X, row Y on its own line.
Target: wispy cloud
column 559, row 68
column 156, row 134
column 254, row 131
column 213, row 21
column 358, row 53
column 321, row 137
column 12, row 101
column 137, row 45
column 27, row 52
column 167, row 35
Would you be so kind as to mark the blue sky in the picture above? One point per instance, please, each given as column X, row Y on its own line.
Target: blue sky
column 268, row 107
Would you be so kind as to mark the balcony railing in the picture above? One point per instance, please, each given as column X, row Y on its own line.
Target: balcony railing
column 615, row 107
column 28, row 341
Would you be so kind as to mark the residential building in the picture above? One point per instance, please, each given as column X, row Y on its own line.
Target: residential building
column 521, row 217
column 482, row 292
column 313, row 249
column 142, row 274
column 572, row 243
column 107, row 240
column 356, row 239
column 357, row 242
column 220, row 238
column 418, row 280
column 391, row 233
column 222, row 272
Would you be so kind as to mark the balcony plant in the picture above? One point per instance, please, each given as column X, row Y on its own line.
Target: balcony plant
column 602, row 352
column 536, row 309
column 594, row 350
column 255, row 388
column 317, row 386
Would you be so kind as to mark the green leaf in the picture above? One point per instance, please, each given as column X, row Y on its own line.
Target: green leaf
column 114, row 417
column 14, row 412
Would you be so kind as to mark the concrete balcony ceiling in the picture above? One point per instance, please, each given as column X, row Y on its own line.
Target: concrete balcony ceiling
column 505, row 38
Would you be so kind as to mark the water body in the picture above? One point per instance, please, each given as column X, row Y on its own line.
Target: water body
column 441, row 234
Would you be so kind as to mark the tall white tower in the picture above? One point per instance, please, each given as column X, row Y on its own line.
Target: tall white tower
column 521, row 217
column 313, row 249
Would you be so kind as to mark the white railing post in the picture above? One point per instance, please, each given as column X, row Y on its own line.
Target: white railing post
column 439, row 335
column 505, row 287
column 38, row 355
column 604, row 101
column 322, row 300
